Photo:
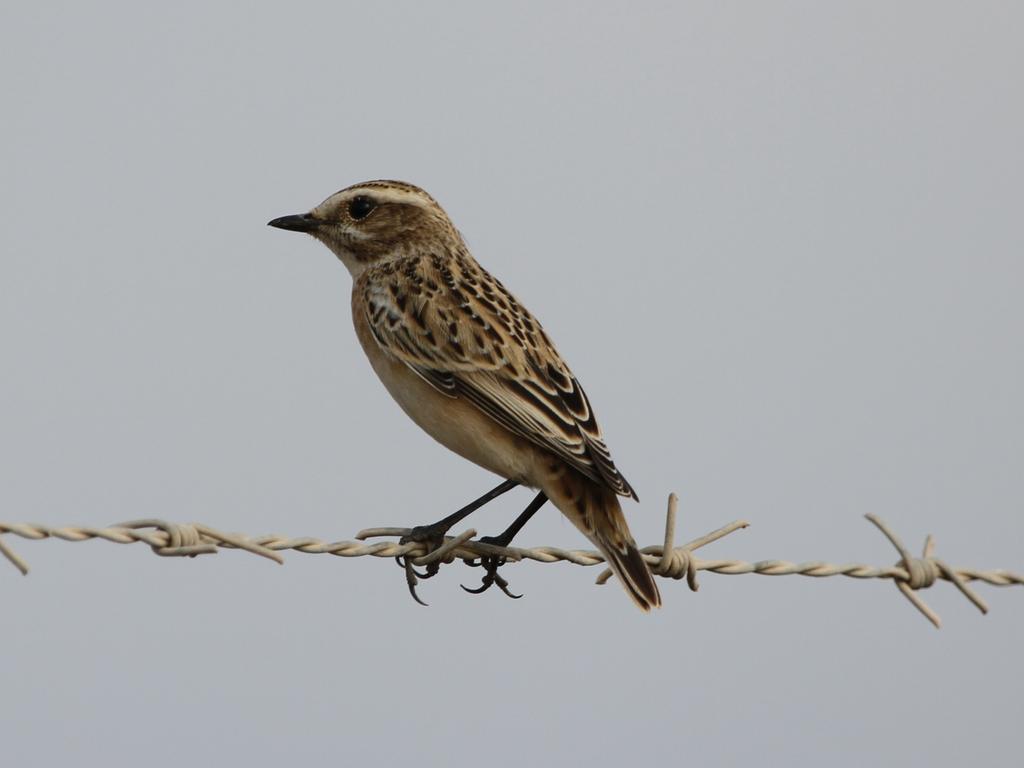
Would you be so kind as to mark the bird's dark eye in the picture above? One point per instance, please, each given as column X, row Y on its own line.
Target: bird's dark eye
column 360, row 207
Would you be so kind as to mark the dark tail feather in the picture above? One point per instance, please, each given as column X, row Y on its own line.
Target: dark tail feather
column 594, row 509
column 628, row 565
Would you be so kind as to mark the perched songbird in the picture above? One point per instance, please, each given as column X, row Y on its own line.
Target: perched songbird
column 470, row 365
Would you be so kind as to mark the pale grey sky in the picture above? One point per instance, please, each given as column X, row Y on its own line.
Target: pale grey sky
column 780, row 244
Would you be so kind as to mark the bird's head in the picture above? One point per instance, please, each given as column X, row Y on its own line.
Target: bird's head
column 376, row 221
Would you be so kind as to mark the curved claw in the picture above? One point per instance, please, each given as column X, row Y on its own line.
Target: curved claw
column 412, row 591
column 431, row 537
column 479, row 590
column 411, row 580
column 491, row 578
column 503, row 586
column 406, row 563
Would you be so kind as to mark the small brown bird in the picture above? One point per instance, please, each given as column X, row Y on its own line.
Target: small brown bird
column 470, row 365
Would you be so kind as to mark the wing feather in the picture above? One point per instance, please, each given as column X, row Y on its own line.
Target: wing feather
column 467, row 336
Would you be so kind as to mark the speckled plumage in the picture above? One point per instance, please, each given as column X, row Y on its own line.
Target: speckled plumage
column 459, row 328
column 471, row 365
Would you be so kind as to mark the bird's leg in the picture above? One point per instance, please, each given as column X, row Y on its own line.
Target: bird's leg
column 433, row 535
column 436, row 531
column 491, row 563
column 505, row 537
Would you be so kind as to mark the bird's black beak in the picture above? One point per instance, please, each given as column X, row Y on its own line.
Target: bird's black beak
column 300, row 222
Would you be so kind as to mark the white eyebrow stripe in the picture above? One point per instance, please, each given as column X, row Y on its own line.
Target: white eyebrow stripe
column 384, row 194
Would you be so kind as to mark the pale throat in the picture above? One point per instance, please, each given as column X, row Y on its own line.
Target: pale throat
column 357, row 264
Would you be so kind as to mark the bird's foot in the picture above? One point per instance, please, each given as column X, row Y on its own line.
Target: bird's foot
column 491, row 564
column 432, row 537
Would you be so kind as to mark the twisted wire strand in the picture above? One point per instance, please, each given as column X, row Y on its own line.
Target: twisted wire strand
column 910, row 574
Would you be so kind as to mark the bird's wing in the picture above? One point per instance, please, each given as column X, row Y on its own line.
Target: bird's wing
column 459, row 328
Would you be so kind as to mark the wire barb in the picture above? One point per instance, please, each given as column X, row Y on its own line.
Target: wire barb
column 678, row 562
column 910, row 574
column 922, row 572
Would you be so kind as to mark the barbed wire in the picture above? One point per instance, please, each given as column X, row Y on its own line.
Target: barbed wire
column 910, row 574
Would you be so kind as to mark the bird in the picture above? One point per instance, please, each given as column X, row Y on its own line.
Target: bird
column 470, row 365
